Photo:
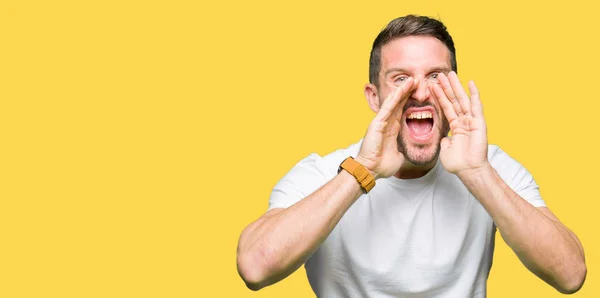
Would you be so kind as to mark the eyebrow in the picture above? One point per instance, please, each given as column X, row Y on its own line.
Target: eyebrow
column 433, row 69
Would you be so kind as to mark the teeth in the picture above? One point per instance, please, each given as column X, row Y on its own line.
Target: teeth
column 420, row 115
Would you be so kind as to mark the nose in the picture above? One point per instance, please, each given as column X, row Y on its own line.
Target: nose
column 422, row 92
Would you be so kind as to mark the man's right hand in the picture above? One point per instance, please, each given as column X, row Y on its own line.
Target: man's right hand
column 379, row 151
column 279, row 242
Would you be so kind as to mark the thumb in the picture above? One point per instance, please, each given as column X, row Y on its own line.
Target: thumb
column 445, row 143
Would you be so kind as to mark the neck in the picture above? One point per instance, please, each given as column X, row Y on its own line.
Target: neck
column 409, row 170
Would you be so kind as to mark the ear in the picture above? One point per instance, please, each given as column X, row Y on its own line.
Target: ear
column 372, row 97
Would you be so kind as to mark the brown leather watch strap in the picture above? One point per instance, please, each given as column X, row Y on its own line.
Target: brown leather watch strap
column 362, row 175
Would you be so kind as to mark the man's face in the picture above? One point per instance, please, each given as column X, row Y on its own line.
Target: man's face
column 423, row 124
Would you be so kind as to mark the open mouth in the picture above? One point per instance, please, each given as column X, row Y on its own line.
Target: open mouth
column 420, row 123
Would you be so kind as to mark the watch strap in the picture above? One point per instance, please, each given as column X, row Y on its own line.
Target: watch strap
column 362, row 175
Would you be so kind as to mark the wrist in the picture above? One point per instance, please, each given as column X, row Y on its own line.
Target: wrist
column 476, row 172
column 362, row 175
column 366, row 163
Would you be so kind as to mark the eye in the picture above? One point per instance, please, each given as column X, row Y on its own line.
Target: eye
column 400, row 79
column 433, row 77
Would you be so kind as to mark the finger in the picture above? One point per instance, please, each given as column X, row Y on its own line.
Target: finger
column 443, row 101
column 447, row 88
column 398, row 109
column 392, row 101
column 394, row 98
column 476, row 106
column 461, row 94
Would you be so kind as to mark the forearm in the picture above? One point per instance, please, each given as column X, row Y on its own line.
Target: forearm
column 544, row 245
column 276, row 245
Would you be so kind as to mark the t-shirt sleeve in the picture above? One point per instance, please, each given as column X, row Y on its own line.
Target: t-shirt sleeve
column 302, row 180
column 516, row 176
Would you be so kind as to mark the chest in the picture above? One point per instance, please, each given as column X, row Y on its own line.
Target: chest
column 410, row 241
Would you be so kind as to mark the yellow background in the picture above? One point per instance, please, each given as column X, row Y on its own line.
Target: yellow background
column 138, row 138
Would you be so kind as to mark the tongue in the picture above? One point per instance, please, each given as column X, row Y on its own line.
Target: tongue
column 419, row 127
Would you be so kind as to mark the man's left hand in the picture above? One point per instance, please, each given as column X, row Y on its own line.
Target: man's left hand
column 466, row 150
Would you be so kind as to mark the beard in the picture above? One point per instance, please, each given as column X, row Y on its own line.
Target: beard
column 418, row 154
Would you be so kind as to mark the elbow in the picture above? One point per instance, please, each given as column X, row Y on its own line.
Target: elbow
column 574, row 281
column 252, row 271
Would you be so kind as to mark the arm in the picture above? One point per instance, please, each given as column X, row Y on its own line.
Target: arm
column 279, row 242
column 542, row 243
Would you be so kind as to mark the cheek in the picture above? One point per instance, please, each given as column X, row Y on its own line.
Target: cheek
column 444, row 128
column 382, row 96
column 443, row 122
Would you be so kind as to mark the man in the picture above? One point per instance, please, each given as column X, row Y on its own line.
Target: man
column 427, row 227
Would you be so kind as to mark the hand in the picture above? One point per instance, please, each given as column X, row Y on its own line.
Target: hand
column 466, row 150
column 379, row 151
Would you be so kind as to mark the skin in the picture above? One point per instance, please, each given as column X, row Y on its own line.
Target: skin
column 414, row 62
column 415, row 71
column 543, row 244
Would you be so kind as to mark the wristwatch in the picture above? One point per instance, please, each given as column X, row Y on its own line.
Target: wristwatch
column 362, row 175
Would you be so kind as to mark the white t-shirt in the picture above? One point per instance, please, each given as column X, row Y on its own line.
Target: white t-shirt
column 424, row 237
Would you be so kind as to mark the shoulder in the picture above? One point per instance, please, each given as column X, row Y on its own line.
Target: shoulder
column 325, row 166
column 308, row 175
column 501, row 161
column 492, row 151
column 515, row 175
column 512, row 172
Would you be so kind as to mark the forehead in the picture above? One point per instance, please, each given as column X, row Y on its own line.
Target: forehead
column 415, row 53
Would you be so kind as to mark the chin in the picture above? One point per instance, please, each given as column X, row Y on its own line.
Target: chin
column 420, row 154
column 422, row 151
